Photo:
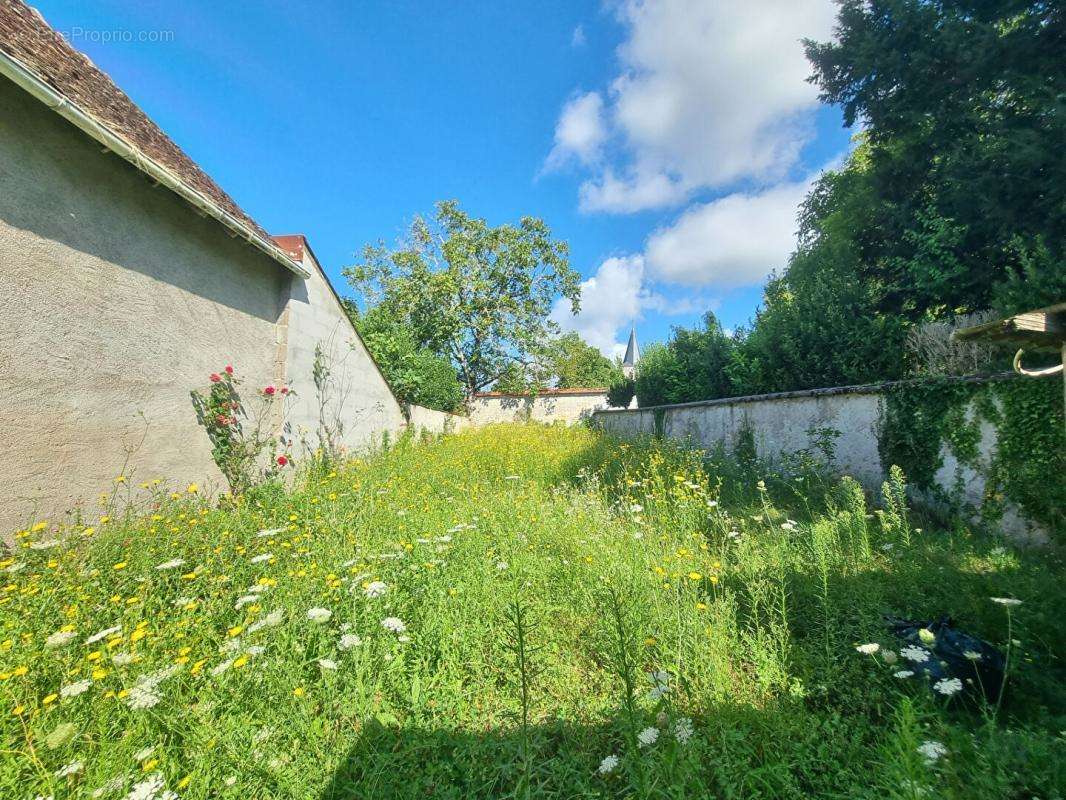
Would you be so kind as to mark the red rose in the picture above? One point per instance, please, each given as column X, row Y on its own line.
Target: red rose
column 268, row 390
column 229, row 369
column 282, row 461
column 284, row 389
column 215, row 377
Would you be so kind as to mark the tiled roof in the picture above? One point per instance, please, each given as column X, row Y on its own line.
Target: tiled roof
column 25, row 36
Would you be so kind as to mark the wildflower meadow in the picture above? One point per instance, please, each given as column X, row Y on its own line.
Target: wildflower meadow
column 524, row 611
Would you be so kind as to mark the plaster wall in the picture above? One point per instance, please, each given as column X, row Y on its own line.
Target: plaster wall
column 433, row 421
column 116, row 300
column 568, row 408
column 357, row 401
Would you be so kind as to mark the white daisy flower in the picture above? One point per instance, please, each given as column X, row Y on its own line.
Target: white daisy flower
column 918, row 655
column 932, row 750
column 1006, row 601
column 683, row 730
column 948, row 686
column 103, row 634
column 394, row 624
column 648, row 737
column 319, row 615
column 174, row 563
column 375, row 589
column 60, row 639
column 349, row 640
column 868, row 649
column 76, row 688
column 608, row 765
column 259, row 559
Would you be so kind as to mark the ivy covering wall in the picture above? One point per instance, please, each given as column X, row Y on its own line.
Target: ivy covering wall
column 920, row 421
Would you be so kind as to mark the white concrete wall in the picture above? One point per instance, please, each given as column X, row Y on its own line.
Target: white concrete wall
column 358, row 401
column 433, row 421
column 568, row 408
column 788, row 422
column 117, row 299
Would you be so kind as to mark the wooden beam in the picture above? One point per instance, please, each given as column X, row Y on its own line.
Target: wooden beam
column 1044, row 328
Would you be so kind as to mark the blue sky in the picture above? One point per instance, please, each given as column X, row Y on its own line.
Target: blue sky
column 668, row 141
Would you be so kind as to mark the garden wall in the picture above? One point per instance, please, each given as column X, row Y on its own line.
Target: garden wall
column 991, row 447
column 430, row 420
column 549, row 405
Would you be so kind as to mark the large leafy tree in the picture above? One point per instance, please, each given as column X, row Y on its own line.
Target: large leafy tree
column 476, row 294
column 963, row 105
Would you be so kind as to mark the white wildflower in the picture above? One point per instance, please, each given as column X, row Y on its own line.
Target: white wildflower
column 349, row 640
column 148, row 789
column 683, row 729
column 223, row 666
column 73, row 768
column 375, row 589
column 648, row 737
column 269, row 532
column 103, row 634
column 948, row 686
column 76, row 688
column 926, row 635
column 394, row 624
column 868, row 649
column 144, row 754
column 903, row 673
column 327, row 663
column 271, row 620
column 501, row 565
column 971, row 655
column 47, row 544
column 319, row 615
column 636, row 508
column 245, row 599
column 916, row 654
column 608, row 765
column 932, row 750
column 1006, row 601
column 113, row 785
column 174, row 563
column 122, row 659
column 259, row 559
column 141, row 697
column 60, row 638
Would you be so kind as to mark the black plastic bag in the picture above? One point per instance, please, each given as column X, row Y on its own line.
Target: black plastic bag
column 951, row 654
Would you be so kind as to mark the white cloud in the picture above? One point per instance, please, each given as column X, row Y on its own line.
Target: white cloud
column 736, row 240
column 710, row 93
column 614, row 298
column 578, row 37
column 610, row 301
column 580, row 131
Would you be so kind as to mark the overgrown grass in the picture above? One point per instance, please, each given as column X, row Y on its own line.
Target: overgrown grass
column 540, row 574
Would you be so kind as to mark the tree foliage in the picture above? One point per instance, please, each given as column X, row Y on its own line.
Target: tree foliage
column 963, row 105
column 693, row 365
column 476, row 294
column 415, row 373
column 574, row 363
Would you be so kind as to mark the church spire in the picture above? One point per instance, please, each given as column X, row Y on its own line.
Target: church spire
column 629, row 363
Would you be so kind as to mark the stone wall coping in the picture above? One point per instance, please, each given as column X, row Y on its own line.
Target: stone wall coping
column 863, row 388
